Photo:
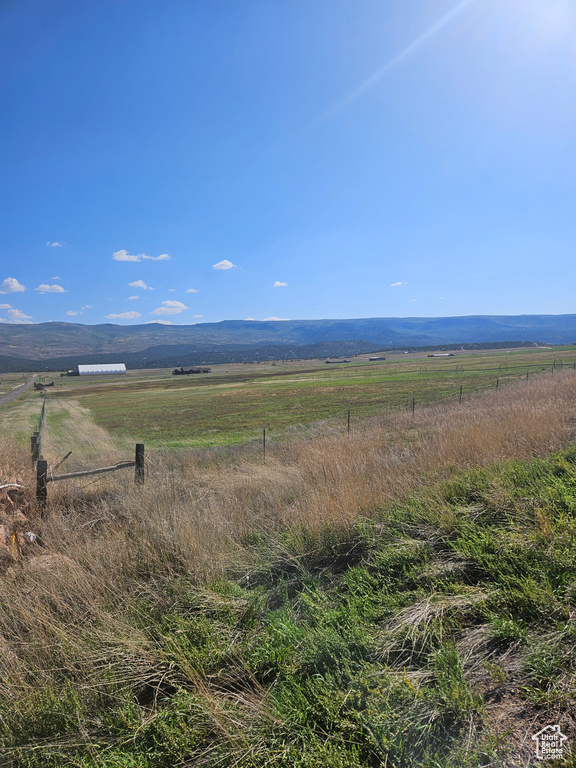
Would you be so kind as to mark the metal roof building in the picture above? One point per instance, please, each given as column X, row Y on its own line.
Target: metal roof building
column 90, row 370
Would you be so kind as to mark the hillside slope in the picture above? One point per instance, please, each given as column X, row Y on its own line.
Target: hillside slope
column 59, row 340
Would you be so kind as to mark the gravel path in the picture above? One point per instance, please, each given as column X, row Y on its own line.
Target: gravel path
column 9, row 396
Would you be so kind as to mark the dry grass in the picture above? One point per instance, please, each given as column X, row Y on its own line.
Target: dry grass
column 202, row 506
column 198, row 509
column 199, row 514
column 71, row 427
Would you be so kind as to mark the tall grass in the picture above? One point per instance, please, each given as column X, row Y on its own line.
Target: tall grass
column 71, row 617
column 204, row 507
column 199, row 510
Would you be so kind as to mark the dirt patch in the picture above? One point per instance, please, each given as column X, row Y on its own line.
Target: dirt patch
column 513, row 721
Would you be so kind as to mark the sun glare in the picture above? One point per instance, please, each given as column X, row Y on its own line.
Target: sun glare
column 547, row 22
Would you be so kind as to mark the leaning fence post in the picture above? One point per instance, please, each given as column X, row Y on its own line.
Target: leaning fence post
column 139, row 464
column 34, row 447
column 460, row 398
column 41, row 485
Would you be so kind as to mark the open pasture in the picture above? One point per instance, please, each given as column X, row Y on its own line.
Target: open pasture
column 9, row 381
column 231, row 404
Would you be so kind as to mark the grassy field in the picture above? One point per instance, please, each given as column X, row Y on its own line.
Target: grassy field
column 401, row 597
column 9, row 381
column 232, row 404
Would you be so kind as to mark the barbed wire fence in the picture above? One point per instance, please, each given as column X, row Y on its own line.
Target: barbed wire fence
column 354, row 413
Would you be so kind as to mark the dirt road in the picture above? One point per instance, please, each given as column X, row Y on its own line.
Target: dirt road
column 9, row 396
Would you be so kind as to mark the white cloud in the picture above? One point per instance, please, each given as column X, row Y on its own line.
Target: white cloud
column 5, row 306
column 124, row 316
column 192, row 290
column 267, row 319
column 139, row 284
column 198, row 315
column 278, row 284
column 170, row 308
column 225, row 264
column 55, row 278
column 159, row 322
column 16, row 317
column 393, row 285
column 73, row 312
column 249, row 318
column 44, row 288
column 54, row 245
column 131, row 298
column 11, row 285
column 123, row 255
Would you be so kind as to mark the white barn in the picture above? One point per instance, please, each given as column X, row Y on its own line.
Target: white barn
column 99, row 368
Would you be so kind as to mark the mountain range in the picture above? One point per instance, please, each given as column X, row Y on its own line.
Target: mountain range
column 57, row 345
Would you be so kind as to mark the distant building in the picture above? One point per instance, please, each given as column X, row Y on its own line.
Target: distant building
column 442, row 354
column 101, row 368
column 330, row 362
column 378, row 357
column 183, row 372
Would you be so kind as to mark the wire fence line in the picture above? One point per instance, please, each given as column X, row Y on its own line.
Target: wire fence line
column 346, row 413
column 353, row 412
column 430, row 368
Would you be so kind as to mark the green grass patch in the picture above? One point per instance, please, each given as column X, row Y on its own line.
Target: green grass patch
column 228, row 408
column 378, row 646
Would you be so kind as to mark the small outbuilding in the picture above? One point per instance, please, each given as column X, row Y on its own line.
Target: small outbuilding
column 184, row 372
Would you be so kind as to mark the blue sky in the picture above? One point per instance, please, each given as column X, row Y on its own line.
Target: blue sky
column 199, row 160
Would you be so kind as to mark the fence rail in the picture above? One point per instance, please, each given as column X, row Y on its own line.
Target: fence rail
column 44, row 472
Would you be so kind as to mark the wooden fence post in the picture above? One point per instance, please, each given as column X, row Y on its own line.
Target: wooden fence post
column 460, row 397
column 34, row 447
column 41, row 485
column 139, row 464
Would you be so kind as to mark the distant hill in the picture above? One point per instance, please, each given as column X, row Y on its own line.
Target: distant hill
column 58, row 345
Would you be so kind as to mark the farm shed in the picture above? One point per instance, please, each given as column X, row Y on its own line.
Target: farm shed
column 101, row 368
column 183, row 372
